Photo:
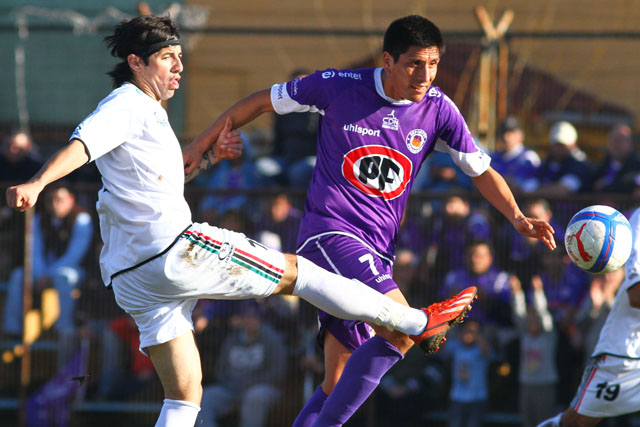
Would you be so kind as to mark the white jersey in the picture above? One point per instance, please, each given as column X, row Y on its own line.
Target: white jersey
column 620, row 335
column 141, row 206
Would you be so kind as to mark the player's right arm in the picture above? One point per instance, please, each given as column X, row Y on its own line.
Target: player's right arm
column 63, row 162
column 241, row 113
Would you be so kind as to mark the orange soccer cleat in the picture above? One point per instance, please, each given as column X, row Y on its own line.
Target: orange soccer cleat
column 442, row 316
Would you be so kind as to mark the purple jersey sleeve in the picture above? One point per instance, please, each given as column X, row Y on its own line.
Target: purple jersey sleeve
column 456, row 138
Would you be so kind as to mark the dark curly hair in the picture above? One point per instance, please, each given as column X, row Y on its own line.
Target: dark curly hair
column 142, row 36
column 412, row 30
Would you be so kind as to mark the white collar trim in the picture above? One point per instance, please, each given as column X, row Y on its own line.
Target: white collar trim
column 377, row 78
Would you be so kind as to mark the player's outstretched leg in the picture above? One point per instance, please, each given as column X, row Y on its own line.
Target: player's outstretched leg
column 442, row 316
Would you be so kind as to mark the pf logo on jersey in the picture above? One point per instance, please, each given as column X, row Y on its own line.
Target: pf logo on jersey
column 377, row 170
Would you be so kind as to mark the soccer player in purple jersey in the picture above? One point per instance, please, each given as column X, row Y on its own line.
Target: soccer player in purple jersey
column 377, row 126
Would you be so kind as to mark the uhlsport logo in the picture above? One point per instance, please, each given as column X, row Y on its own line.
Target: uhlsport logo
column 415, row 140
column 360, row 130
column 377, row 170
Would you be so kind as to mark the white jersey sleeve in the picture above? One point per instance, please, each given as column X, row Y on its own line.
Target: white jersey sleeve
column 108, row 126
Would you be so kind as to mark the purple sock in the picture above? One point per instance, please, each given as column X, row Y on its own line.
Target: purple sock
column 310, row 412
column 360, row 377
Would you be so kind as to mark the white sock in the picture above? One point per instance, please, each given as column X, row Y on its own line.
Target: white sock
column 353, row 300
column 177, row 413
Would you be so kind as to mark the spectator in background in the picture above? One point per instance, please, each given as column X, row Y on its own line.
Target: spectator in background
column 521, row 255
column 566, row 169
column 440, row 174
column 411, row 235
column 294, row 147
column 470, row 356
column 516, row 163
column 565, row 287
column 62, row 236
column 409, row 384
column 595, row 308
column 450, row 230
column 565, row 284
column 231, row 176
column 279, row 228
column 493, row 285
column 538, row 375
column 124, row 370
column 249, row 370
column 619, row 172
column 18, row 160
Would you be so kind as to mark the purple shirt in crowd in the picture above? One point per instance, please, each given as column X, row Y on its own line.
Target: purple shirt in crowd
column 369, row 150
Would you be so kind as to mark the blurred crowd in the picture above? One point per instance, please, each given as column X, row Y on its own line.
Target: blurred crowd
column 522, row 350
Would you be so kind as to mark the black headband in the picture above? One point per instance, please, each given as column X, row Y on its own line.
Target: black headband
column 153, row 48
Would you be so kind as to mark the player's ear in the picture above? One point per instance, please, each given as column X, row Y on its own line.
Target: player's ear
column 387, row 61
column 135, row 62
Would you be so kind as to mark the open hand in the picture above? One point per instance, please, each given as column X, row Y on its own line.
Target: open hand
column 536, row 228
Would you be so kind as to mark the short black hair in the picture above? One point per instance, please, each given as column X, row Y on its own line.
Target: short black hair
column 412, row 30
column 140, row 36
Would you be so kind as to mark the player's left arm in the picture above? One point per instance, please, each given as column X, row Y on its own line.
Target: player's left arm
column 495, row 189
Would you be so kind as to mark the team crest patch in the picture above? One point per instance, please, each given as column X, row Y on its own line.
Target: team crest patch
column 416, row 140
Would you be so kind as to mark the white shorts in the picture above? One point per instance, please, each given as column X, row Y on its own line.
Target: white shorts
column 205, row 262
column 610, row 386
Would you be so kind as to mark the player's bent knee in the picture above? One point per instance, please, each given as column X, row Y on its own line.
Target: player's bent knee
column 189, row 391
column 288, row 280
column 399, row 340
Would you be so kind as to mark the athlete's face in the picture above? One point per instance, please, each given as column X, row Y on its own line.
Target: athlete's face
column 160, row 78
column 410, row 77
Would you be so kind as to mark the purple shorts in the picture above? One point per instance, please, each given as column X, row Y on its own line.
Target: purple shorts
column 350, row 258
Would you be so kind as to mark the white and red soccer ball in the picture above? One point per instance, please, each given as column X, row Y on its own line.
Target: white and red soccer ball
column 598, row 239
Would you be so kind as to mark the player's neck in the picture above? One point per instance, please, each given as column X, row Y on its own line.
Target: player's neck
column 146, row 88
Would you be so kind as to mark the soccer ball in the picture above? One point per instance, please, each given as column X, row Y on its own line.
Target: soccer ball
column 598, row 239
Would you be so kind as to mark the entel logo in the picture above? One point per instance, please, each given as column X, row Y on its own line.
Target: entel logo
column 328, row 74
column 377, row 170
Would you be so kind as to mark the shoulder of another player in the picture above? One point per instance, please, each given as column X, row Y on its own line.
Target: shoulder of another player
column 633, row 292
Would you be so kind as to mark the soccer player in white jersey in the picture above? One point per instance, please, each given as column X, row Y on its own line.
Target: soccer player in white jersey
column 158, row 262
column 377, row 127
column 611, row 383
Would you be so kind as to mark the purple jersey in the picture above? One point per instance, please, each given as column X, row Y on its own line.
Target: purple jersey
column 369, row 150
